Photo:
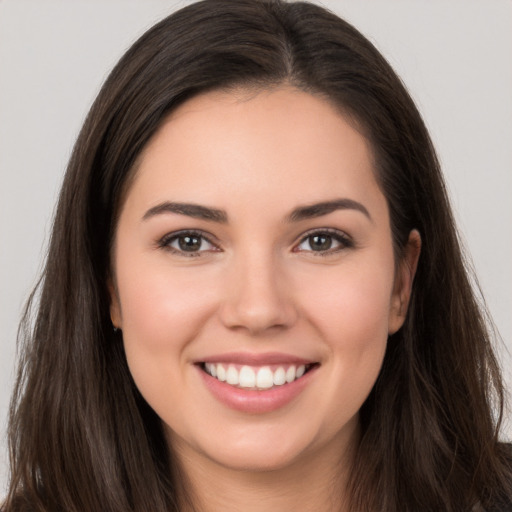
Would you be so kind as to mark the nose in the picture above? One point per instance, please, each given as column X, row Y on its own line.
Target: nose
column 258, row 298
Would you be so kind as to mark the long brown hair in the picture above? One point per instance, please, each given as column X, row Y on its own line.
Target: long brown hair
column 81, row 436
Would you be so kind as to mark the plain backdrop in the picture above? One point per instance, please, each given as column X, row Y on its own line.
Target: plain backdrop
column 454, row 56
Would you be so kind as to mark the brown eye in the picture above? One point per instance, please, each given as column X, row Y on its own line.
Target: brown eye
column 189, row 243
column 324, row 242
column 321, row 242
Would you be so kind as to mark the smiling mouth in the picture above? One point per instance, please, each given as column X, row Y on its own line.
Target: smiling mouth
column 256, row 378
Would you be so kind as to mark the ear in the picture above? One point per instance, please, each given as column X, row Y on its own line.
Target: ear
column 115, row 305
column 403, row 282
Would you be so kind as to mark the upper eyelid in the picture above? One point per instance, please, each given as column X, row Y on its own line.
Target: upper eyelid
column 166, row 240
column 341, row 236
column 329, row 231
column 210, row 238
column 198, row 232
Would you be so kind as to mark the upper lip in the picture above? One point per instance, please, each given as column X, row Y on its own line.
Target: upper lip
column 252, row 359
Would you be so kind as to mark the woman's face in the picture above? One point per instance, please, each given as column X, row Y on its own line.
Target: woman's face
column 255, row 280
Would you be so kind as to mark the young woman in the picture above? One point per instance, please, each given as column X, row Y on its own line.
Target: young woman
column 254, row 297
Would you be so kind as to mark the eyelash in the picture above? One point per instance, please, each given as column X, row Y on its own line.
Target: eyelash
column 338, row 236
column 166, row 241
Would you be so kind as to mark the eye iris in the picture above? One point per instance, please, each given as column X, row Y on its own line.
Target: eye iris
column 189, row 243
column 320, row 242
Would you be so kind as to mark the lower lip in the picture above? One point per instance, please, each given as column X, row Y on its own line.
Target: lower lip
column 256, row 401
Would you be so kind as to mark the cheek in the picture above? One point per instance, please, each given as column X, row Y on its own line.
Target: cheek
column 350, row 310
column 351, row 305
column 161, row 312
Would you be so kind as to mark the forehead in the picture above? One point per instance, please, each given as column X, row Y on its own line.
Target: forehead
column 281, row 145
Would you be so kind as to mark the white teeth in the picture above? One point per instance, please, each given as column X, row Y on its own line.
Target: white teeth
column 279, row 376
column 221, row 373
column 247, row 377
column 252, row 378
column 264, row 379
column 232, row 376
column 211, row 369
column 290, row 374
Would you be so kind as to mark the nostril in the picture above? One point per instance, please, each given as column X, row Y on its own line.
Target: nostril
column 257, row 305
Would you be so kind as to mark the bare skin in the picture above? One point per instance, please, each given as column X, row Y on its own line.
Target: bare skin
column 293, row 488
column 255, row 230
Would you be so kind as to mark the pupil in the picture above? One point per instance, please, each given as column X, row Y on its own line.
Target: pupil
column 189, row 243
column 320, row 242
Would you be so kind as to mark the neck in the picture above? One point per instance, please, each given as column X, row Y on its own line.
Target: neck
column 314, row 482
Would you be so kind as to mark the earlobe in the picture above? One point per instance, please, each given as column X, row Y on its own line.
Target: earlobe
column 403, row 282
column 115, row 306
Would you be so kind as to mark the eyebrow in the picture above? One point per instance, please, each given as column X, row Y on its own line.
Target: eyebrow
column 326, row 207
column 190, row 210
column 197, row 211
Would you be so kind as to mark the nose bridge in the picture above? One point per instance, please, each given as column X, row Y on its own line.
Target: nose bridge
column 258, row 297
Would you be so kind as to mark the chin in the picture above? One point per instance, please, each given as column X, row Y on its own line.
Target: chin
column 257, row 459
column 262, row 448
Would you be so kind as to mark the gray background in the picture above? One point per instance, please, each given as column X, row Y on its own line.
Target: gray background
column 455, row 57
